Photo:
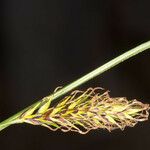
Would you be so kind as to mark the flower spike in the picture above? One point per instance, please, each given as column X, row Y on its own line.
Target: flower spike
column 85, row 111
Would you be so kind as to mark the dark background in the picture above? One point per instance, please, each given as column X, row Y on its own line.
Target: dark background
column 48, row 43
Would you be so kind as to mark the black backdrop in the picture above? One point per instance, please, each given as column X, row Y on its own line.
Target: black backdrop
column 48, row 43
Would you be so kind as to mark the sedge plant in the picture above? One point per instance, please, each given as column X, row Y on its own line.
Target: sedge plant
column 82, row 111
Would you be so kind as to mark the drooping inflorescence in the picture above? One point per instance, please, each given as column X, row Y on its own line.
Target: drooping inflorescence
column 84, row 111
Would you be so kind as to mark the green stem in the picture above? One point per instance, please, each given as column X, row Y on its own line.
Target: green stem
column 87, row 77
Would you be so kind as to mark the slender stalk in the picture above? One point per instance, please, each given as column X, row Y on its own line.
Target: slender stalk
column 85, row 78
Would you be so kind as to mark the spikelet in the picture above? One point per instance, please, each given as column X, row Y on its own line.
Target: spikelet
column 84, row 111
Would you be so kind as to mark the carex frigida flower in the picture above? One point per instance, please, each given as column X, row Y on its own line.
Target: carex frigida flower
column 84, row 111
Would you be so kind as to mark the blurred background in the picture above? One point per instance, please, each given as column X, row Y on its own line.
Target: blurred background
column 50, row 43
